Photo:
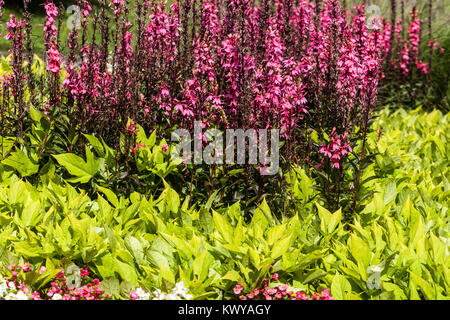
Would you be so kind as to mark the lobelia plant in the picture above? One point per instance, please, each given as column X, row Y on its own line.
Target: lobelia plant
column 308, row 68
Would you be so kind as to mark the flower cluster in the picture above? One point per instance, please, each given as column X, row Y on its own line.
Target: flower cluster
column 409, row 47
column 54, row 60
column 179, row 292
column 50, row 38
column 338, row 147
column 15, row 29
column 13, row 288
column 278, row 291
column 9, row 291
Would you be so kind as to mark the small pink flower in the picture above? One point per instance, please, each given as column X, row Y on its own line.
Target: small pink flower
column 84, row 272
column 238, row 289
column 283, row 287
column 36, row 296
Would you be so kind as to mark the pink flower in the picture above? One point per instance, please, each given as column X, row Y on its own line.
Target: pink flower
column 36, row 296
column 54, row 64
column 283, row 287
column 84, row 272
column 238, row 289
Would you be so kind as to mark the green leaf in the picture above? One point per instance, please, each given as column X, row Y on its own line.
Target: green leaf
column 360, row 250
column 233, row 276
column 200, row 266
column 211, row 199
column 96, row 144
column 83, row 171
column 6, row 143
column 390, row 192
column 127, row 272
column 111, row 196
column 281, row 247
column 223, row 226
column 328, row 221
column 135, row 247
column 166, row 274
column 110, row 286
column 424, row 286
column 340, row 287
column 171, row 198
column 313, row 275
column 27, row 250
column 22, row 163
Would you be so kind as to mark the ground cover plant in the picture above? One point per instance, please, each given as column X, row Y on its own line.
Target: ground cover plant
column 94, row 204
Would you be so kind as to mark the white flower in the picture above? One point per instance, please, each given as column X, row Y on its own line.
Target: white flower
column 142, row 295
column 157, row 292
column 180, row 286
column 179, row 292
column 162, row 296
column 187, row 296
column 172, row 296
column 10, row 296
column 11, row 285
column 57, row 296
column 20, row 295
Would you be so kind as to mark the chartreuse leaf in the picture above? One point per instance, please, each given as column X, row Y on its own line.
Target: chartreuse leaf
column 111, row 196
column 76, row 166
column 265, row 209
column 135, row 246
column 390, row 192
column 275, row 233
column 340, row 287
column 424, row 286
column 6, row 143
column 223, row 226
column 201, row 266
column 360, row 250
column 96, row 143
column 141, row 136
column 171, row 198
column 110, row 286
column 281, row 247
column 328, row 221
column 126, row 271
column 165, row 273
column 233, row 276
column 20, row 161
